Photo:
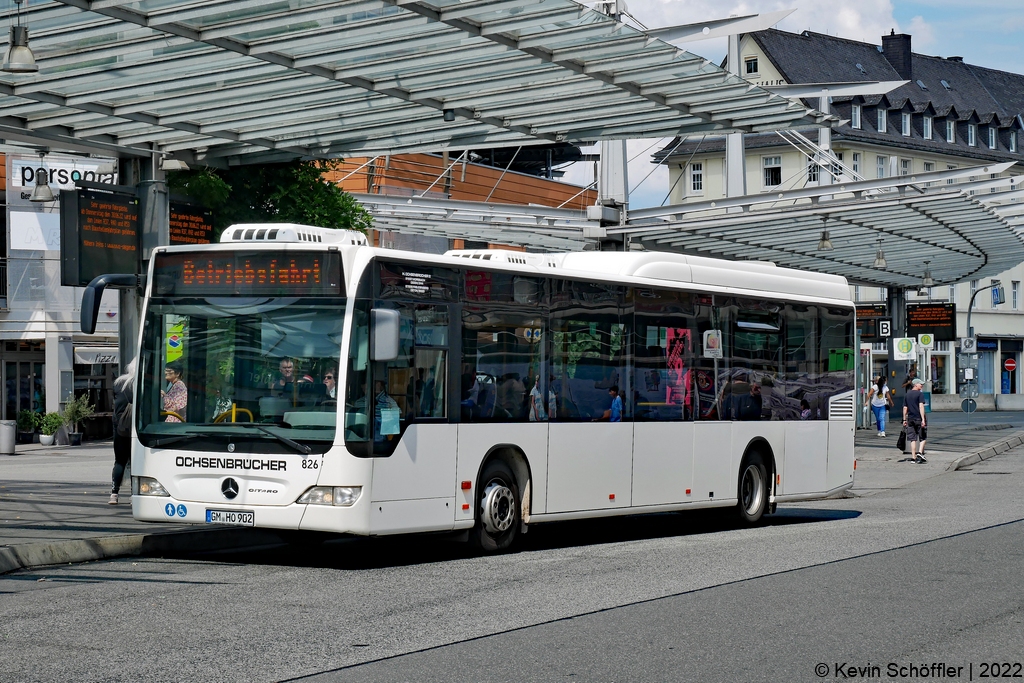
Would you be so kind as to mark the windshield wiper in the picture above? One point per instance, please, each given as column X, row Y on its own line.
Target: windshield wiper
column 301, row 448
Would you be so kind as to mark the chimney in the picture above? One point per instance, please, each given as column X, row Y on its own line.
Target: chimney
column 896, row 49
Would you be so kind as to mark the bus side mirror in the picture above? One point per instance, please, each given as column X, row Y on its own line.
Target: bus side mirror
column 94, row 292
column 384, row 329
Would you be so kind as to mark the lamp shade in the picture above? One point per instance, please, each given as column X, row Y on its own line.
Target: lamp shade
column 19, row 58
column 42, row 191
column 824, row 244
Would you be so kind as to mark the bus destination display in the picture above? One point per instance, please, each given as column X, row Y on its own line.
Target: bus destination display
column 109, row 232
column 250, row 273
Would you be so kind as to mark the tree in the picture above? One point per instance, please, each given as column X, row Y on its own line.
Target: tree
column 293, row 192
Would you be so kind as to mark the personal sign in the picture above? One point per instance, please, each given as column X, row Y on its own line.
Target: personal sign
column 904, row 348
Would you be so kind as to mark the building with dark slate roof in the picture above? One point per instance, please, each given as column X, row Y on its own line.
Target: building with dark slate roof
column 949, row 115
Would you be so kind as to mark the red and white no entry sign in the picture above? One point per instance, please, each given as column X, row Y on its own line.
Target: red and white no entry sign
column 1010, row 365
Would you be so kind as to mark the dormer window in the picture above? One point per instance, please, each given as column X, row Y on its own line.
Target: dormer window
column 927, row 127
column 972, row 134
column 905, row 124
column 950, row 131
column 855, row 116
column 1013, row 141
column 991, row 137
column 883, row 120
column 751, row 65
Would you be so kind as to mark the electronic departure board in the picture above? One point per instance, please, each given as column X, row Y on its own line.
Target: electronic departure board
column 938, row 320
column 190, row 224
column 248, row 273
column 100, row 234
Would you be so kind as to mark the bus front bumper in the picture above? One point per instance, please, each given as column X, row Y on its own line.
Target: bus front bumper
column 294, row 516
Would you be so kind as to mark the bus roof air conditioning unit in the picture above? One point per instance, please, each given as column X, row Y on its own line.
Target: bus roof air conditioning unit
column 290, row 233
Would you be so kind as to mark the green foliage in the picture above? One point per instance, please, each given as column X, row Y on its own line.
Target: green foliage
column 51, row 423
column 28, row 420
column 77, row 410
column 273, row 193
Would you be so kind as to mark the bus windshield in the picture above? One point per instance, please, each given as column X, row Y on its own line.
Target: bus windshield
column 256, row 373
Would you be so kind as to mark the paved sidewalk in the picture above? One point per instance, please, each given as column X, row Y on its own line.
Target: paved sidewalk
column 53, row 499
column 53, row 510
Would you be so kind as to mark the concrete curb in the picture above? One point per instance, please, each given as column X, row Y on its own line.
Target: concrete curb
column 987, row 451
column 31, row 555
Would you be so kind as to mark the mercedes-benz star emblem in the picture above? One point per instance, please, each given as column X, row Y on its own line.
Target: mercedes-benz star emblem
column 231, row 448
column 229, row 487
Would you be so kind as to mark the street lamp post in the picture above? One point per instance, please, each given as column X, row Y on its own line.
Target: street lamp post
column 970, row 333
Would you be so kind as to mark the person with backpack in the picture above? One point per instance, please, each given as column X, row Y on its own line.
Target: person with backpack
column 123, row 397
column 880, row 402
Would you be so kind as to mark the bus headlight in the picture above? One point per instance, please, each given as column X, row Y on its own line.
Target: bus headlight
column 341, row 496
column 147, row 486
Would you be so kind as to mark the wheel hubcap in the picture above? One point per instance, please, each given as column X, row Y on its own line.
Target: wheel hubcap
column 498, row 508
column 753, row 489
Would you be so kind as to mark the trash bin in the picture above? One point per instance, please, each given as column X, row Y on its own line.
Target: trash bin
column 8, row 432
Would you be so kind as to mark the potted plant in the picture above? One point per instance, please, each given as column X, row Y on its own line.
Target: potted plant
column 75, row 411
column 51, row 422
column 28, row 420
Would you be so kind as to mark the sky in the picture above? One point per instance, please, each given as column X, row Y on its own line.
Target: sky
column 989, row 33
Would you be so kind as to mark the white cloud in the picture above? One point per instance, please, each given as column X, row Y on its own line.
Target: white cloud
column 921, row 30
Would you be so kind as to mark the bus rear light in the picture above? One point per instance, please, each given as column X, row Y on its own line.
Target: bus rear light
column 467, row 485
column 338, row 496
column 147, row 486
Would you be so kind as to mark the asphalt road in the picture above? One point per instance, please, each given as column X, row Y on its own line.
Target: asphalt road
column 925, row 574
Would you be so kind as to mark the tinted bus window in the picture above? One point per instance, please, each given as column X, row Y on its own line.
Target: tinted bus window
column 664, row 347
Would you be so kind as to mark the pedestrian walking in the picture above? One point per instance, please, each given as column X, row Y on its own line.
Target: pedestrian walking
column 914, row 420
column 123, row 397
column 880, row 402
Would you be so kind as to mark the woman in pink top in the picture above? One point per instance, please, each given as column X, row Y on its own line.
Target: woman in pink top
column 176, row 396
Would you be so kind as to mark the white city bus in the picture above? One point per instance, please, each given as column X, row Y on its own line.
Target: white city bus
column 296, row 378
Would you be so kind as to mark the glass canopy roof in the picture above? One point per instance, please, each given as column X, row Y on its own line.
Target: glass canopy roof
column 240, row 81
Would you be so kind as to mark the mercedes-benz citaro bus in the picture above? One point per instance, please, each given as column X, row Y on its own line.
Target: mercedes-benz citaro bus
column 294, row 377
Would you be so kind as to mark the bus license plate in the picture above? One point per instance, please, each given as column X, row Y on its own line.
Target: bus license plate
column 236, row 517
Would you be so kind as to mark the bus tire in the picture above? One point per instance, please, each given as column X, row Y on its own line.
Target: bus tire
column 752, row 493
column 498, row 503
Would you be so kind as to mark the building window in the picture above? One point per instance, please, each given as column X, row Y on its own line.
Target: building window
column 951, row 132
column 856, row 292
column 972, row 135
column 927, row 127
column 813, row 172
column 1015, row 294
column 1013, row 141
column 883, row 120
column 751, row 64
column 905, row 124
column 855, row 116
column 906, row 166
column 881, row 166
column 929, row 166
column 772, row 171
column 952, row 294
column 951, row 167
column 697, row 178
column 856, row 163
column 991, row 137
column 974, row 290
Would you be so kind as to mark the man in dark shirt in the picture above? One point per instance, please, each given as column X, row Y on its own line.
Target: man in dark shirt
column 911, row 376
column 748, row 406
column 913, row 418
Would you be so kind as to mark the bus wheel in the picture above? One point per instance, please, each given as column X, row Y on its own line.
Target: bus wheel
column 498, row 504
column 753, row 489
